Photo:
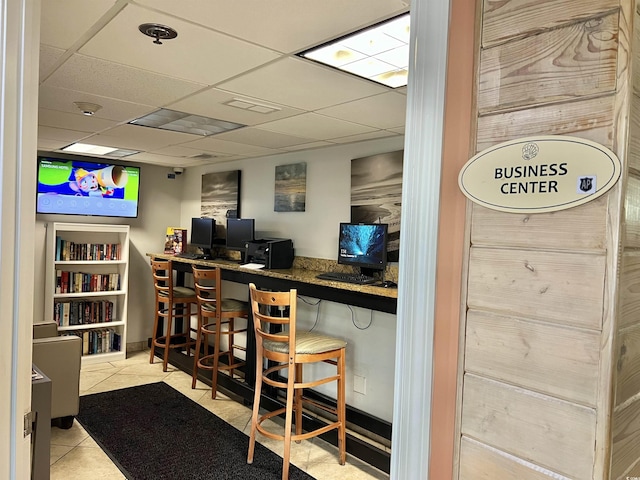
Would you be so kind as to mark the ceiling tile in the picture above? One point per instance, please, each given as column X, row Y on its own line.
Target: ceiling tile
column 262, row 138
column 70, row 121
column 212, row 144
column 363, row 136
column 307, row 146
column 211, row 103
column 60, row 134
column 108, row 79
column 181, row 151
column 168, row 161
column 135, row 137
column 47, row 145
column 319, row 127
column 48, row 59
column 302, row 84
column 281, row 24
column 121, row 41
column 150, row 158
column 61, row 99
column 63, row 22
column 381, row 111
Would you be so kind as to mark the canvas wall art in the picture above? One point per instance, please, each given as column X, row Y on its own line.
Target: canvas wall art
column 290, row 188
column 376, row 194
column 220, row 198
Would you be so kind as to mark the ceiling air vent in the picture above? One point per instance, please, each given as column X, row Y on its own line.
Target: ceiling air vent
column 203, row 156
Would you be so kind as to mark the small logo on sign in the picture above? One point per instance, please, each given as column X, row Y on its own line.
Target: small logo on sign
column 586, row 185
column 529, row 151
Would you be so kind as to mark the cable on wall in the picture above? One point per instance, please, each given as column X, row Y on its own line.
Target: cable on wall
column 315, row 323
column 353, row 319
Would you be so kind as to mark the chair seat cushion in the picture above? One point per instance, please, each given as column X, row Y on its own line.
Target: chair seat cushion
column 306, row 343
column 181, row 292
column 228, row 305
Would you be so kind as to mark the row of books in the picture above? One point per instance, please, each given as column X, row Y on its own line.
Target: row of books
column 100, row 340
column 76, row 282
column 83, row 312
column 66, row 251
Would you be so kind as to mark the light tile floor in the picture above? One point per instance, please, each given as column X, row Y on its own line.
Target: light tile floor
column 75, row 456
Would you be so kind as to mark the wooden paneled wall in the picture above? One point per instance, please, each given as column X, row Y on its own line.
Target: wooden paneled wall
column 550, row 343
column 625, row 448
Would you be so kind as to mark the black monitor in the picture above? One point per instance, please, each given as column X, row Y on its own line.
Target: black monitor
column 203, row 234
column 239, row 231
column 363, row 245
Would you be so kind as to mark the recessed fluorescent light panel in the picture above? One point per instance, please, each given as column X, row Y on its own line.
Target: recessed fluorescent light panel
column 379, row 53
column 89, row 149
column 185, row 122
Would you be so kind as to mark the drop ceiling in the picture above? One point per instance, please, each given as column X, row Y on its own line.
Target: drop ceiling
column 232, row 60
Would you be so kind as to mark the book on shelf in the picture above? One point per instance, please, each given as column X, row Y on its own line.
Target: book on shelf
column 100, row 340
column 78, row 282
column 72, row 251
column 176, row 240
column 83, row 312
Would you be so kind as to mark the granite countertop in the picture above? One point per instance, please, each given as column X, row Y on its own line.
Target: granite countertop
column 304, row 270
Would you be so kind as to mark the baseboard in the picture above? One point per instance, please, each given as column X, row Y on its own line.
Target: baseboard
column 136, row 346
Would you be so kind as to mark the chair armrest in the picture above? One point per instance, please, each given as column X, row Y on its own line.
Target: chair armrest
column 46, row 329
column 59, row 359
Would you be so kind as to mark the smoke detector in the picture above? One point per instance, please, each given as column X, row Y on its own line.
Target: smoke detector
column 87, row 108
column 157, row 31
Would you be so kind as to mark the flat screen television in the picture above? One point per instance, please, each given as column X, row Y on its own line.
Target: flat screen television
column 80, row 187
column 363, row 245
column 203, row 234
column 239, row 231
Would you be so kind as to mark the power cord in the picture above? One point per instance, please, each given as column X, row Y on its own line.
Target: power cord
column 353, row 318
column 315, row 323
column 353, row 314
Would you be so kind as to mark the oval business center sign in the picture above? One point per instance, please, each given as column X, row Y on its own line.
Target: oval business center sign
column 539, row 174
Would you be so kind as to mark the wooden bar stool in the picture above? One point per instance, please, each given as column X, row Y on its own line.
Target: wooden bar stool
column 171, row 303
column 291, row 350
column 214, row 312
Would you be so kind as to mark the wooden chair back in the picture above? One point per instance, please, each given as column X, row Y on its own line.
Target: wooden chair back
column 162, row 278
column 207, row 284
column 263, row 305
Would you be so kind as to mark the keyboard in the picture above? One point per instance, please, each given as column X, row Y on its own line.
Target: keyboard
column 358, row 278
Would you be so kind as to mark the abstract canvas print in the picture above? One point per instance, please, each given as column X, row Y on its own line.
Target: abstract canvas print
column 291, row 188
column 220, row 198
column 376, row 194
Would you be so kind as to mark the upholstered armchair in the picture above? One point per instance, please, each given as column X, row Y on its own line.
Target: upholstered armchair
column 59, row 359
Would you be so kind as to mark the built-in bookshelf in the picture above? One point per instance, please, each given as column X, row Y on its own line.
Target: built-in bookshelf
column 86, row 286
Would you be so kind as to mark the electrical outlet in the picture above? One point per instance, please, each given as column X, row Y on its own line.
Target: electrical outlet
column 360, row 384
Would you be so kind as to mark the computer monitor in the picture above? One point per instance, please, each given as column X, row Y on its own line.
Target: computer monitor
column 363, row 245
column 203, row 234
column 239, row 231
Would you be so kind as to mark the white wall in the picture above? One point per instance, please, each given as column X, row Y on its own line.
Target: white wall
column 173, row 202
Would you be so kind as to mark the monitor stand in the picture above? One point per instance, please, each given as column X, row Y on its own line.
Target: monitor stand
column 206, row 254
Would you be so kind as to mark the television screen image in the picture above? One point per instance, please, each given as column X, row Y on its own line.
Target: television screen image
column 363, row 245
column 77, row 187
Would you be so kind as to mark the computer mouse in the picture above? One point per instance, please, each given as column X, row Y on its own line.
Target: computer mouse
column 389, row 284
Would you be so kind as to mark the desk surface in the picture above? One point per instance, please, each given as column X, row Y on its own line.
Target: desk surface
column 297, row 275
